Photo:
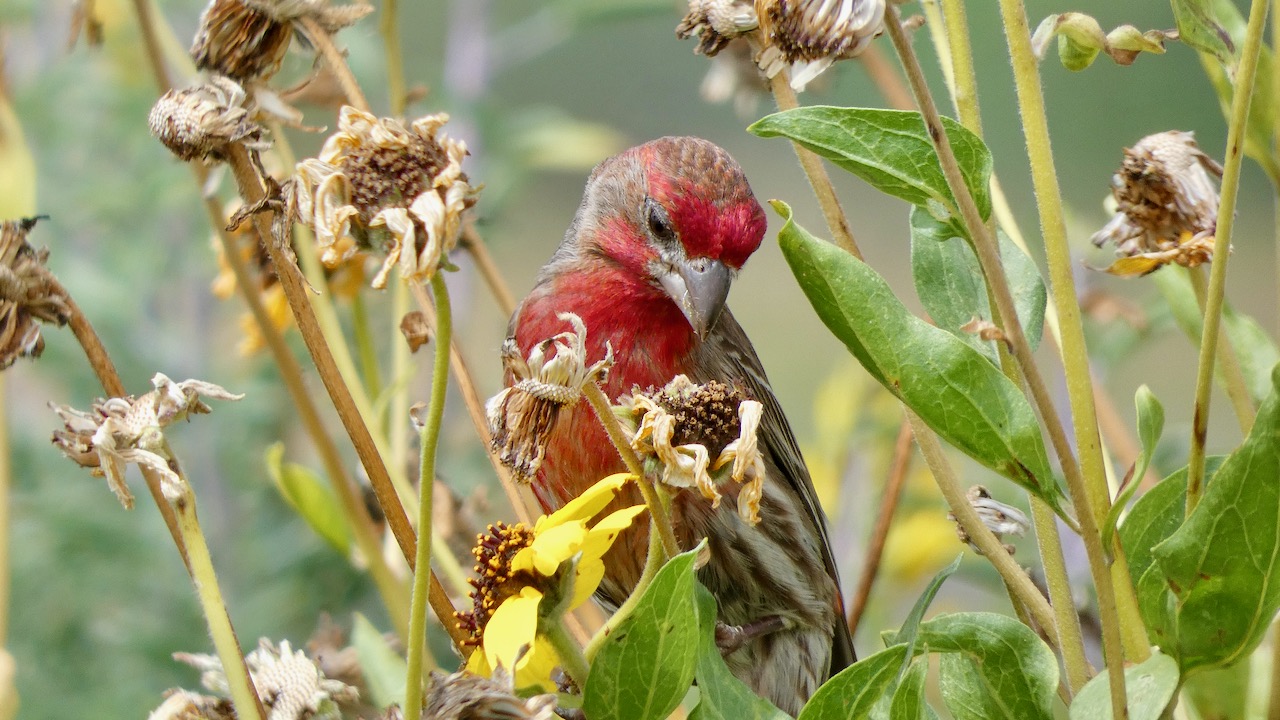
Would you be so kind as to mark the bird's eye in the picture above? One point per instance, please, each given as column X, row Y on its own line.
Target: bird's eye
column 659, row 222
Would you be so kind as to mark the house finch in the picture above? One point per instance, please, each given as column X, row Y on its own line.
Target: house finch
column 647, row 265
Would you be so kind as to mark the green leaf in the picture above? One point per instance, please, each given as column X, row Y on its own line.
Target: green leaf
column 1148, row 687
column 911, row 625
column 963, row 691
column 1199, row 28
column 1219, row 693
column 647, row 665
column 311, row 498
column 1013, row 670
column 1255, row 350
column 722, row 696
column 891, row 150
column 384, row 669
column 854, row 691
column 1223, row 564
column 950, row 285
column 908, row 699
column 961, row 395
column 1150, row 427
column 1156, row 515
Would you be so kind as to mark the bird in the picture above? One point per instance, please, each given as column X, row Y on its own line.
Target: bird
column 647, row 263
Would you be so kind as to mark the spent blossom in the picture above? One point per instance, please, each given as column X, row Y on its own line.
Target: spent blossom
column 120, row 431
column 197, row 123
column 1166, row 205
column 247, row 39
column 291, row 685
column 29, row 294
column 521, row 416
column 691, row 432
column 1000, row 519
column 809, row 35
column 467, row 696
column 377, row 184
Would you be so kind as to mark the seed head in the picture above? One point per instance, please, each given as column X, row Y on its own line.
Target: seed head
column 197, row 123
column 495, row 579
column 28, row 293
column 466, row 696
column 812, row 34
column 246, row 39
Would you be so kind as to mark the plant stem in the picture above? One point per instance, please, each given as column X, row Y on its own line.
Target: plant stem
column 813, row 168
column 475, row 409
column 6, row 485
column 336, row 62
column 388, row 25
column 657, row 509
column 653, row 561
column 430, row 443
column 965, row 80
column 394, row 593
column 568, row 651
column 1229, row 372
column 1241, row 97
column 367, row 352
column 1015, row 578
column 884, row 521
column 243, row 694
column 1088, row 498
column 886, row 79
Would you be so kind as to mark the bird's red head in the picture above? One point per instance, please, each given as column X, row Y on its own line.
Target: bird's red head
column 675, row 214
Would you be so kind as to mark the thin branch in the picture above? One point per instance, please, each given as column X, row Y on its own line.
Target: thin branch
column 889, row 497
column 336, row 61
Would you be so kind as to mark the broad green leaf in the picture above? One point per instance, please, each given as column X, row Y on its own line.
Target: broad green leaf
column 961, row 395
column 908, row 699
column 1255, row 350
column 964, row 693
column 1156, row 515
column 1148, row 687
column 854, row 691
column 311, row 498
column 891, row 150
column 1080, row 40
column 1219, row 693
column 911, row 625
column 384, row 669
column 1223, row 564
column 1150, row 426
column 1199, row 28
column 949, row 282
column 722, row 696
column 1014, row 670
column 645, row 668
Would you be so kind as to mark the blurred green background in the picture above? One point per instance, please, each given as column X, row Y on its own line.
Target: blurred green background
column 541, row 91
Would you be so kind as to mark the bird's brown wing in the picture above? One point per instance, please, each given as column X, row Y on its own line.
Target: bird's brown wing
column 726, row 354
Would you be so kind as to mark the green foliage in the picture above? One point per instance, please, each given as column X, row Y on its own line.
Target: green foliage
column 1199, row 27
column 949, row 282
column 1150, row 426
column 891, row 150
column 854, row 691
column 993, row 662
column 1214, row 585
column 721, row 695
column 908, row 700
column 1149, row 686
column 647, row 664
column 383, row 667
column 1081, row 39
column 311, row 498
column 953, row 387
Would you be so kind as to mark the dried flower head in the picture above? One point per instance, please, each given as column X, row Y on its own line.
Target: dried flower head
column 376, row 182
column 28, row 293
column 521, row 416
column 1166, row 205
column 118, row 431
column 1000, row 519
column 716, row 22
column 182, row 704
column 692, row 431
column 809, row 35
column 197, row 123
column 290, row 684
column 467, row 696
column 560, row 558
column 247, row 39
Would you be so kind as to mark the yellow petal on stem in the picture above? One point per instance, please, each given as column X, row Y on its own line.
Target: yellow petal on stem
column 478, row 663
column 551, row 547
column 588, row 504
column 537, row 666
column 1135, row 266
column 598, row 542
column 512, row 628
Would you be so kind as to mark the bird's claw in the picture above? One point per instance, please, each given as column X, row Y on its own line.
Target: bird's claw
column 731, row 638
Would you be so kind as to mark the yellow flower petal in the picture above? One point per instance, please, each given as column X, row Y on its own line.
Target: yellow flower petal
column 478, row 663
column 588, row 504
column 537, row 666
column 598, row 542
column 513, row 627
column 551, row 547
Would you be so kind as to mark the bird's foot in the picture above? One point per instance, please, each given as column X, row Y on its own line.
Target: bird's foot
column 730, row 638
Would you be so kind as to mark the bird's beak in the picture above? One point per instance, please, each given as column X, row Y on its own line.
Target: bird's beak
column 699, row 288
